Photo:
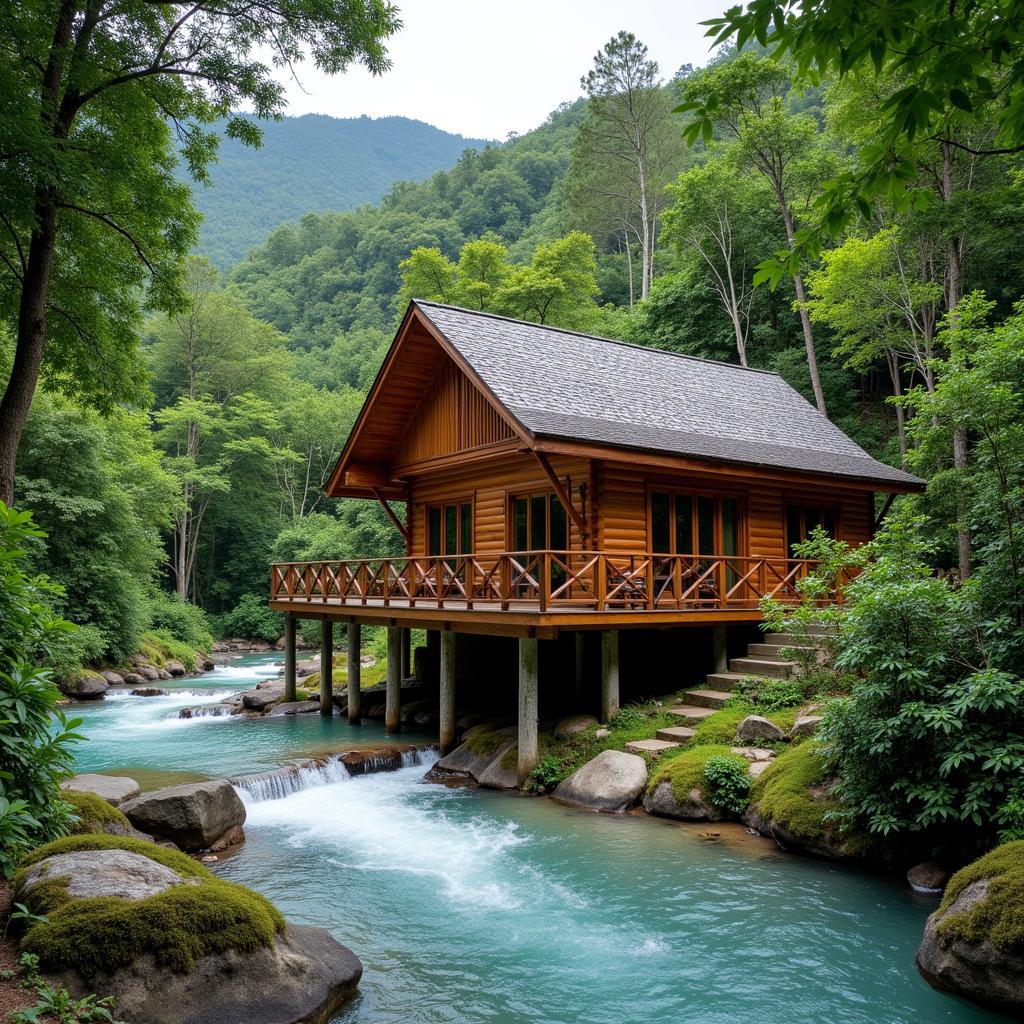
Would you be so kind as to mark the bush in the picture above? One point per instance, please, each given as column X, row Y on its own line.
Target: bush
column 770, row 694
column 35, row 736
column 251, row 619
column 178, row 926
column 727, row 782
column 181, row 621
column 85, row 646
column 685, row 771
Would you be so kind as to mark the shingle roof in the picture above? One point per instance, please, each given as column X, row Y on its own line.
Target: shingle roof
column 560, row 384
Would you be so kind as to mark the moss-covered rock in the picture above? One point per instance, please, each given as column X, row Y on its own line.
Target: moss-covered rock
column 677, row 787
column 722, row 726
column 791, row 800
column 94, row 814
column 974, row 943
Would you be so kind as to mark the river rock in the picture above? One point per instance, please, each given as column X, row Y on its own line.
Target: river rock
column 87, row 686
column 663, row 802
column 149, row 691
column 976, row 970
column 806, row 725
column 295, row 707
column 502, row 772
column 112, row 678
column 261, row 699
column 134, row 679
column 112, row 788
column 194, row 815
column 92, row 873
column 176, row 668
column 927, row 877
column 756, row 727
column 573, row 724
column 464, row 761
column 612, row 781
column 207, row 664
column 304, row 978
column 149, row 672
column 164, row 674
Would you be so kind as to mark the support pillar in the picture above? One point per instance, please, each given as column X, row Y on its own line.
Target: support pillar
column 289, row 656
column 446, row 730
column 355, row 667
column 406, row 653
column 529, row 752
column 609, row 674
column 393, row 696
column 581, row 650
column 720, row 642
column 326, row 667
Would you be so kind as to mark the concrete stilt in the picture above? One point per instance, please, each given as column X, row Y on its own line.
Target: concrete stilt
column 326, row 667
column 446, row 730
column 720, row 642
column 581, row 649
column 355, row 640
column 609, row 674
column 289, row 656
column 393, row 696
column 529, row 753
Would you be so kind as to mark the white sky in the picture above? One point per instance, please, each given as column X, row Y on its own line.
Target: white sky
column 481, row 68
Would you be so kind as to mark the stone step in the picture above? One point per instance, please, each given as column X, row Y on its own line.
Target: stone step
column 689, row 712
column 772, row 651
column 793, row 640
column 725, row 680
column 675, row 734
column 650, row 746
column 760, row 667
column 707, row 698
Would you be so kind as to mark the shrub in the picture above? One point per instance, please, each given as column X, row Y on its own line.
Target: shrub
column 686, row 770
column 159, row 646
column 727, row 782
column 770, row 694
column 251, row 619
column 85, row 646
column 35, row 735
column 548, row 774
column 178, row 926
column 184, row 622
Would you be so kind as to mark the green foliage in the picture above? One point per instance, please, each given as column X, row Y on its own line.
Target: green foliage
column 727, row 782
column 769, row 694
column 685, row 769
column 172, row 619
column 56, row 1003
column 251, row 619
column 999, row 917
column 549, row 773
column 92, row 812
column 35, row 735
column 178, row 926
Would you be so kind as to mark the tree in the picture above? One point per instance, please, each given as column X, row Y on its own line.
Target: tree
column 624, row 149
column 97, row 95
column 717, row 213
column 745, row 98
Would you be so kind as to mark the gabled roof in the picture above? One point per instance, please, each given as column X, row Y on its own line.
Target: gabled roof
column 560, row 384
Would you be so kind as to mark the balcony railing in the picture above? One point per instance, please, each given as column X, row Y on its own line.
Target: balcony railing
column 545, row 581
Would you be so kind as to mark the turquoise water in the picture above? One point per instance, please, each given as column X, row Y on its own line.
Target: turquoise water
column 470, row 906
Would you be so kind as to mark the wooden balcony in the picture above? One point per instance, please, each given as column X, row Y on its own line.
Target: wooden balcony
column 537, row 592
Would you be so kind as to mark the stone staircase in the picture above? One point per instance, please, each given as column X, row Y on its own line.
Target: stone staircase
column 762, row 660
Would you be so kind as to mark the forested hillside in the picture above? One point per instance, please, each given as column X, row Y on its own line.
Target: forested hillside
column 311, row 164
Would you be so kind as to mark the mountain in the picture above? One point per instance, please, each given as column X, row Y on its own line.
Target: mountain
column 313, row 164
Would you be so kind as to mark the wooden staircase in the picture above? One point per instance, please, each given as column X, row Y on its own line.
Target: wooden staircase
column 763, row 659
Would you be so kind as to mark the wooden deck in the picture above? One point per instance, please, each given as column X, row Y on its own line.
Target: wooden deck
column 537, row 593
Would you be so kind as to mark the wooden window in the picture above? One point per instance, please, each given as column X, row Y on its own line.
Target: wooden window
column 539, row 523
column 450, row 528
column 801, row 520
column 695, row 524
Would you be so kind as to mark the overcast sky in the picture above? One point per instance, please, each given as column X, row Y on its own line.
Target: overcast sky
column 483, row 69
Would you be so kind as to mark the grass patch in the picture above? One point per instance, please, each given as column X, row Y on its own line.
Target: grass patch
column 999, row 918
column 369, row 675
column 93, row 813
column 722, row 725
column 178, row 926
column 685, row 770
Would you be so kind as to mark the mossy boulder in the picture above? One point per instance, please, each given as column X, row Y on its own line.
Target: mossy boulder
column 484, row 746
column 84, row 685
column 95, row 815
column 613, row 782
column 114, row 789
column 172, row 942
column 974, row 943
column 790, row 802
column 677, row 787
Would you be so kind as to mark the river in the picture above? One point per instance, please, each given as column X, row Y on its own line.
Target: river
column 470, row 906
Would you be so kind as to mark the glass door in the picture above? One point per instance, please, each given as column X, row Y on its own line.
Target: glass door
column 539, row 523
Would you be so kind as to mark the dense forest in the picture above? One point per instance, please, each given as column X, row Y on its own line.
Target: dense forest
column 310, row 164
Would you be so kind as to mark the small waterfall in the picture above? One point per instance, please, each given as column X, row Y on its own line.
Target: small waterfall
column 282, row 782
column 207, row 711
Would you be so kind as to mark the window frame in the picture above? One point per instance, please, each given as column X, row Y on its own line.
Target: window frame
column 441, row 507
column 674, row 491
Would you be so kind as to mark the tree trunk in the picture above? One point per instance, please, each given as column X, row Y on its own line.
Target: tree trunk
column 31, row 340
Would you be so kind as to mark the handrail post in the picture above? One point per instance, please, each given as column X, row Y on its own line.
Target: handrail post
column 651, row 596
column 545, row 580
column 601, row 582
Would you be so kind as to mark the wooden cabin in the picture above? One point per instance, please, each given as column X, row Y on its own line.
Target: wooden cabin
column 546, row 481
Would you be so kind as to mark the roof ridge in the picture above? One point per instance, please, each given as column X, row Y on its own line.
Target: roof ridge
column 599, row 337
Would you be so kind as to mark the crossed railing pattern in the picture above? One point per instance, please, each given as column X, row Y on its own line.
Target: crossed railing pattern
column 546, row 580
